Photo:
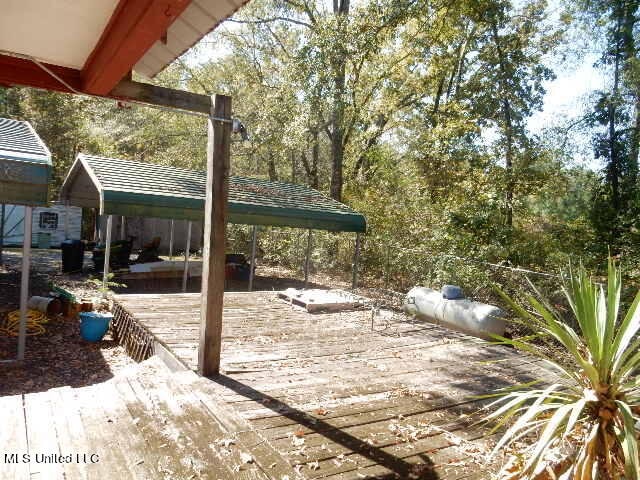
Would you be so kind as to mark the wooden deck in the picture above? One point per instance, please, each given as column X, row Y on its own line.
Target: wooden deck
column 338, row 395
column 149, row 423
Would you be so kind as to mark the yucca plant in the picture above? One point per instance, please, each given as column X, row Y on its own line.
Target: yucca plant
column 587, row 417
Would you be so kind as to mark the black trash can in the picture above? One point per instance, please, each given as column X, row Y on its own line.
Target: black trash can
column 72, row 255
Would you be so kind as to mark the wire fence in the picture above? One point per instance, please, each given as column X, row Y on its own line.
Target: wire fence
column 386, row 267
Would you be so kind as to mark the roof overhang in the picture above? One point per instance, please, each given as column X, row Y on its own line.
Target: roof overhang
column 91, row 45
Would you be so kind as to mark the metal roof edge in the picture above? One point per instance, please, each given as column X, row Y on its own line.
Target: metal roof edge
column 44, row 145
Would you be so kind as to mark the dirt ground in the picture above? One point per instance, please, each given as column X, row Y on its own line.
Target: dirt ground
column 60, row 356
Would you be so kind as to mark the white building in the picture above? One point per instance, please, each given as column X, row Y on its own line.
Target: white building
column 47, row 222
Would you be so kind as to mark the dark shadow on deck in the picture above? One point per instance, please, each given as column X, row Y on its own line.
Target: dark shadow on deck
column 399, row 467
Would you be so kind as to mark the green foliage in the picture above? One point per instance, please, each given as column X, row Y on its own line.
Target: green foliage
column 105, row 289
column 584, row 424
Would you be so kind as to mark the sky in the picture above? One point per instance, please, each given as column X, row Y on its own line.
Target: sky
column 567, row 94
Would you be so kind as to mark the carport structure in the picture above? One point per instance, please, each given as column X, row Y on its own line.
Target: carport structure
column 135, row 189
column 25, row 170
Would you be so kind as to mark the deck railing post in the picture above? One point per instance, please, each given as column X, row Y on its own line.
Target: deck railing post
column 254, row 241
column 24, row 281
column 185, row 273
column 307, row 259
column 356, row 260
column 107, row 254
column 215, row 221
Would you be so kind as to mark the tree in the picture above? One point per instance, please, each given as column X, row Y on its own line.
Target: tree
column 509, row 80
column 616, row 119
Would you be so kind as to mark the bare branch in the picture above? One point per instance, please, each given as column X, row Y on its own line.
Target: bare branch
column 270, row 20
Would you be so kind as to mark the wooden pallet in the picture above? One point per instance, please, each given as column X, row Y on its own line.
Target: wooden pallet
column 317, row 300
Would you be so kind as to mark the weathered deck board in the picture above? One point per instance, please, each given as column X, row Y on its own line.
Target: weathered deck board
column 13, row 438
column 148, row 423
column 337, row 395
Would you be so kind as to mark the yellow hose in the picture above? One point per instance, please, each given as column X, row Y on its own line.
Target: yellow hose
column 35, row 320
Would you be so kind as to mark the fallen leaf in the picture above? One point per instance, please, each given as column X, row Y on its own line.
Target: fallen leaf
column 226, row 442
column 299, row 433
column 321, row 411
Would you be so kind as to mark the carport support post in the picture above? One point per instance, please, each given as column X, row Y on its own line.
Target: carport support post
column 254, row 241
column 356, row 260
column 215, row 222
column 66, row 219
column 24, row 281
column 2, row 209
column 107, row 254
column 185, row 273
column 171, row 242
column 307, row 260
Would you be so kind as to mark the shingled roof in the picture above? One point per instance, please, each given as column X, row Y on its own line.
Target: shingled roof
column 123, row 187
column 25, row 164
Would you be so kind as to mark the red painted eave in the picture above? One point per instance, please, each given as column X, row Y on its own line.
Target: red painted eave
column 133, row 29
column 17, row 71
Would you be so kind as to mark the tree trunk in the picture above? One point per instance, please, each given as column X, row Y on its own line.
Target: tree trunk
column 312, row 170
column 507, row 132
column 315, row 157
column 614, row 160
column 293, row 166
column 273, row 173
column 341, row 10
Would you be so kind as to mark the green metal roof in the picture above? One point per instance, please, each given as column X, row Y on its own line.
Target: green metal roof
column 25, row 164
column 138, row 189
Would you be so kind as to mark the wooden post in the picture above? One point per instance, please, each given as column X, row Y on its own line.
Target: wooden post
column 66, row 219
column 2, row 210
column 107, row 254
column 96, row 226
column 307, row 260
column 171, row 242
column 356, row 259
column 123, row 224
column 185, row 273
column 215, row 221
column 254, row 241
column 24, row 281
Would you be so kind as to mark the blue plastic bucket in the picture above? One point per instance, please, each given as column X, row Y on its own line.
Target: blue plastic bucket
column 93, row 326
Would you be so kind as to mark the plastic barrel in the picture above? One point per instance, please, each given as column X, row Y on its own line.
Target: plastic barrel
column 72, row 255
column 93, row 326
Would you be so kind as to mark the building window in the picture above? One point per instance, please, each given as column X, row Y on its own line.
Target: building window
column 48, row 221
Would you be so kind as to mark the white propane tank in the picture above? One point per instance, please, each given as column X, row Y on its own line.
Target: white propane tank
column 474, row 318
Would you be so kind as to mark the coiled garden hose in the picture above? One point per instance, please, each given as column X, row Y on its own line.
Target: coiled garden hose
column 35, row 321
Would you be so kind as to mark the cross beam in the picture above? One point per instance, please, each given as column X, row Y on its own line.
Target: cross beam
column 27, row 73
